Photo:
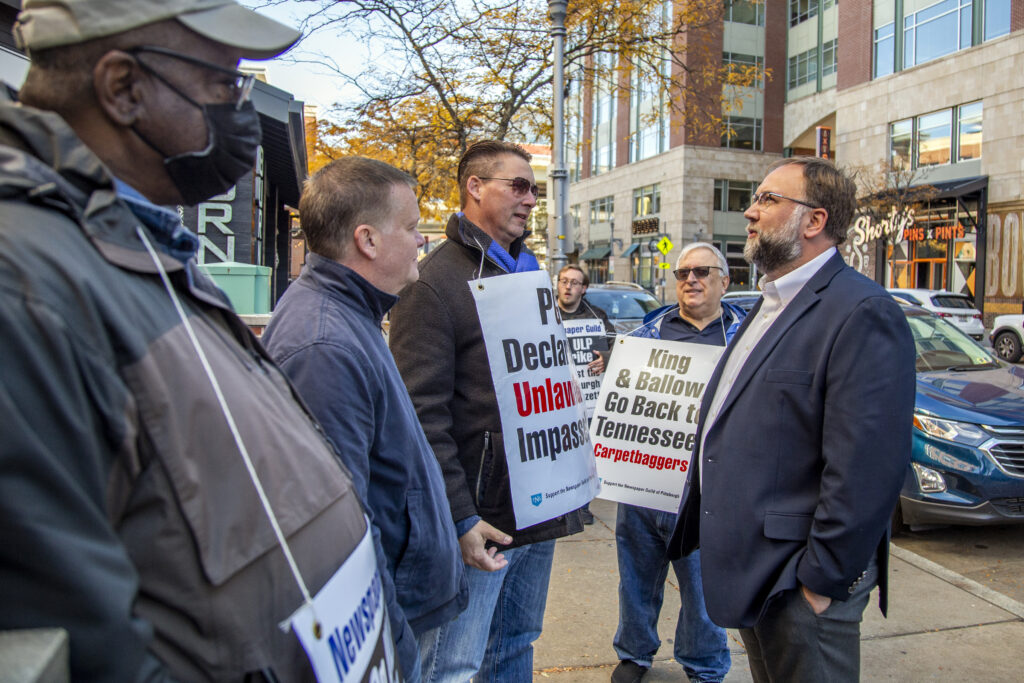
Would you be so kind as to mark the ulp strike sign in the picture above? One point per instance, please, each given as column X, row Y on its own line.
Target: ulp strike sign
column 544, row 428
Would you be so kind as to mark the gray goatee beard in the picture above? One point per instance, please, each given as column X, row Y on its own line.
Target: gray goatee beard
column 771, row 251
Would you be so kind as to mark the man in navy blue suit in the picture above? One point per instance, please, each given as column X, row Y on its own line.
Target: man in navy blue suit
column 803, row 440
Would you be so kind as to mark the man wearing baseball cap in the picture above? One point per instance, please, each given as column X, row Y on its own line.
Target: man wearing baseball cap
column 140, row 414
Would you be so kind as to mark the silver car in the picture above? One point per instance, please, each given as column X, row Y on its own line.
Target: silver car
column 956, row 309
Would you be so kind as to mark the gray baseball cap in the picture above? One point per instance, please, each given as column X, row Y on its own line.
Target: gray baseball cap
column 43, row 24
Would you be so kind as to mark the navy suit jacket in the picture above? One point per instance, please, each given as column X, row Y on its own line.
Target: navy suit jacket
column 803, row 465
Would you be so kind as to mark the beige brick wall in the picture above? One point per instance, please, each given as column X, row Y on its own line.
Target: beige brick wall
column 992, row 72
column 687, row 177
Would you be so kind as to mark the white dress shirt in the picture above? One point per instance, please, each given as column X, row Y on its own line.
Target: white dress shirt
column 777, row 294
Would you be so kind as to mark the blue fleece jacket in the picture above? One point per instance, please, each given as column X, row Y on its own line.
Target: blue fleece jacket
column 326, row 335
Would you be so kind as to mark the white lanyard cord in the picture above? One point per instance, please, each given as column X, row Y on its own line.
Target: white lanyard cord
column 230, row 420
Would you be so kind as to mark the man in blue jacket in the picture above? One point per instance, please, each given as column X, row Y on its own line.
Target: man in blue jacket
column 642, row 534
column 360, row 219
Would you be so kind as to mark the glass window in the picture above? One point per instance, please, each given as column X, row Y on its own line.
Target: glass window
column 603, row 128
column 885, row 50
column 733, row 195
column 997, row 18
column 647, row 201
column 828, row 57
column 934, row 138
column 745, row 11
column 741, row 132
column 936, row 30
column 648, row 113
column 803, row 68
column 901, row 138
column 743, row 60
column 802, row 10
column 969, row 131
column 602, row 210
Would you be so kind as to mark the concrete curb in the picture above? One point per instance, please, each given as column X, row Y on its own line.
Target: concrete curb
column 962, row 582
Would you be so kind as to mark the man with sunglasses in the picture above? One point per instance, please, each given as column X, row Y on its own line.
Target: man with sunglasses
column 642, row 534
column 439, row 349
column 803, row 440
column 131, row 518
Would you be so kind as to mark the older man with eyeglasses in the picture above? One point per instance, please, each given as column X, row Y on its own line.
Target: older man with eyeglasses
column 803, row 440
column 642, row 534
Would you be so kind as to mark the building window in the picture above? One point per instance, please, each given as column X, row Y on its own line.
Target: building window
column 938, row 30
column 969, row 131
column 828, row 57
column 603, row 129
column 602, row 210
column 997, row 18
column 574, row 127
column 741, row 132
column 733, row 195
column 745, row 11
column 930, row 139
column 647, row 201
column 802, row 10
column 648, row 115
column 803, row 68
column 934, row 138
column 738, row 60
column 885, row 50
column 901, row 140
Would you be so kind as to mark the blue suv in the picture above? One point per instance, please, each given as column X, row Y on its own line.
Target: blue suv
column 967, row 465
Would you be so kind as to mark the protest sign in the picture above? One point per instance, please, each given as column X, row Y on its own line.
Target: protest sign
column 645, row 423
column 585, row 336
column 544, row 428
column 346, row 633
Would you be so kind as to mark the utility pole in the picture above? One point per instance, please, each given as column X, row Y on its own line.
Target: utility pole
column 558, row 174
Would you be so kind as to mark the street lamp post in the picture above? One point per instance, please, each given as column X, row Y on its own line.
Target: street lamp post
column 559, row 175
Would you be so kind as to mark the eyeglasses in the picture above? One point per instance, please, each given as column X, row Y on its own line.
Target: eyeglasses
column 700, row 272
column 241, row 88
column 566, row 282
column 520, row 186
column 765, row 200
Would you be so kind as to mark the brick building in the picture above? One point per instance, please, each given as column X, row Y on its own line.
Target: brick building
column 936, row 87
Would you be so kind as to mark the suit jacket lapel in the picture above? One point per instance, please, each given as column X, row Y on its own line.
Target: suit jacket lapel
column 801, row 303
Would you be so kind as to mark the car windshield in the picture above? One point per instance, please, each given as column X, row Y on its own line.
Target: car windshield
column 940, row 346
column 624, row 303
column 951, row 301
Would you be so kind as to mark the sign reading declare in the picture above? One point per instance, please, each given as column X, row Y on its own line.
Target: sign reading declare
column 544, row 427
column 645, row 424
column 586, row 335
column 346, row 633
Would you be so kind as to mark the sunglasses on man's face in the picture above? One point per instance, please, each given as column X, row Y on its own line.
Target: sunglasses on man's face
column 520, row 186
column 700, row 272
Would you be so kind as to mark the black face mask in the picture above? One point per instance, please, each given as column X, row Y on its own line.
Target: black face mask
column 231, row 147
column 233, row 139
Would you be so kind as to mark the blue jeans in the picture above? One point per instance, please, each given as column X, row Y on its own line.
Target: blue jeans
column 641, row 542
column 493, row 638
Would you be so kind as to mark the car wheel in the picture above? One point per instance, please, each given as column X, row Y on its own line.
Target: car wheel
column 1007, row 346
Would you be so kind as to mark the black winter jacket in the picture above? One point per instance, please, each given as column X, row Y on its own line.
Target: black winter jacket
column 439, row 349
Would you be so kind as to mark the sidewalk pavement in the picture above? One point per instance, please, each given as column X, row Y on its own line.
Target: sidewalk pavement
column 941, row 626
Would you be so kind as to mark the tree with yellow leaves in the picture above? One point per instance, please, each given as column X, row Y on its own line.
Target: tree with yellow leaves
column 452, row 71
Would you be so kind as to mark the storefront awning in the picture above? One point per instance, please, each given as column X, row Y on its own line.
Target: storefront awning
column 960, row 186
column 631, row 248
column 595, row 253
column 284, row 140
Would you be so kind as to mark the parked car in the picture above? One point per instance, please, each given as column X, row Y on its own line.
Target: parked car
column 626, row 303
column 967, row 464
column 954, row 308
column 1008, row 337
column 742, row 298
